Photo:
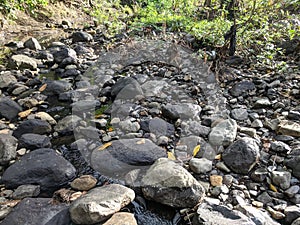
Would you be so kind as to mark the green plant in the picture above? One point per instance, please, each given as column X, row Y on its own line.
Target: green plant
column 6, row 6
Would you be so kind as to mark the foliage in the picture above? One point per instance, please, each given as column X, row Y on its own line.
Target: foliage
column 6, row 6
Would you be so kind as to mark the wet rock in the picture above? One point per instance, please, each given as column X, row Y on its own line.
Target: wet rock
column 242, row 155
column 223, row 133
column 25, row 191
column 35, row 167
column 200, row 165
column 158, row 127
column 242, row 88
column 8, row 147
column 6, row 79
column 34, row 126
column 38, row 211
column 121, row 218
column 84, row 183
column 33, row 44
column 280, row 147
column 67, row 124
column 184, row 111
column 210, row 213
column 81, row 36
column 170, row 184
column 9, row 109
column 22, row 62
column 239, row 114
column 123, row 155
column 126, row 88
column 100, row 203
column 289, row 128
column 281, row 179
column 34, row 141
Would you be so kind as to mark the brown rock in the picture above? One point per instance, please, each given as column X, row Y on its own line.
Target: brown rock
column 216, row 180
column 84, row 183
column 121, row 218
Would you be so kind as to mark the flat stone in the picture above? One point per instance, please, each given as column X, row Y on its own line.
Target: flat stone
column 43, row 116
column 249, row 131
column 35, row 167
column 8, row 147
column 158, row 127
column 84, row 183
column 289, row 128
column 6, row 79
column 292, row 191
column 264, row 198
column 56, row 87
column 25, row 191
column 121, row 218
column 201, row 165
column 33, row 44
column 153, row 87
column 34, row 126
column 126, row 88
column 280, row 147
column 291, row 213
column 22, row 62
column 34, row 141
column 242, row 88
column 242, row 155
column 184, row 111
column 9, row 109
column 281, row 179
column 168, row 183
column 239, row 114
column 100, row 203
column 223, row 133
column 67, row 124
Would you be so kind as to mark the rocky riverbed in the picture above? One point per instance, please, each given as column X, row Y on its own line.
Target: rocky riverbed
column 143, row 133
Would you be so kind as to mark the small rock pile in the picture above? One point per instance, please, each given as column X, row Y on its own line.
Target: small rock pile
column 151, row 118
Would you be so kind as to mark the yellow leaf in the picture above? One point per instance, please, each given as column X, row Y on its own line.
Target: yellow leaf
column 25, row 113
column 106, row 145
column 218, row 157
column 273, row 188
column 171, row 156
column 143, row 141
column 196, row 150
column 43, row 87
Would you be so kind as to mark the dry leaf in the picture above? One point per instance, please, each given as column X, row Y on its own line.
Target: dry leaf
column 25, row 113
column 43, row 87
column 143, row 141
column 106, row 145
column 171, row 156
column 196, row 150
column 273, row 188
column 11, row 203
column 218, row 157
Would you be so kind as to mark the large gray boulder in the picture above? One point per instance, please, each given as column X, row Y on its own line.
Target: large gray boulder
column 223, row 133
column 43, row 167
column 9, row 109
column 100, row 203
column 242, row 155
column 169, row 183
column 41, row 211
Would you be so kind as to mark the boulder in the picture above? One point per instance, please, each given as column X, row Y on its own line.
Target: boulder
column 34, row 126
column 100, row 203
column 22, row 62
column 43, row 167
column 242, row 155
column 9, row 109
column 169, row 183
column 34, row 141
column 223, row 133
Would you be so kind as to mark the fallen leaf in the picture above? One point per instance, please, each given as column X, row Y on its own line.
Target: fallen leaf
column 43, row 87
column 218, row 157
column 106, row 145
column 196, row 150
column 273, row 188
column 171, row 156
column 110, row 129
column 143, row 141
column 25, row 113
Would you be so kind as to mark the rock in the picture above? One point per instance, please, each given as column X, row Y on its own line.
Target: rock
column 291, row 213
column 158, row 126
column 289, row 128
column 123, row 155
column 8, row 147
column 67, row 124
column 22, row 62
column 296, row 221
column 43, row 116
column 129, row 126
column 292, row 191
column 262, row 103
column 200, row 165
column 264, row 198
column 242, row 88
column 184, row 111
column 242, row 155
column 210, row 213
column 239, row 114
column 34, row 141
column 57, row 87
column 63, row 53
column 121, row 218
column 6, row 79
column 249, row 131
column 195, row 128
column 280, row 147
column 33, row 44
column 168, row 183
column 35, row 167
column 216, row 180
column 153, row 87
column 100, row 203
column 27, row 190
column 38, row 211
column 81, row 36
column 294, row 164
column 34, row 126
column 9, row 109
column 223, row 133
column 281, row 179
column 294, row 115
column 126, row 88
column 84, row 183
column 257, row 123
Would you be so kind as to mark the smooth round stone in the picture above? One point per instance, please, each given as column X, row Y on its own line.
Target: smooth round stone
column 84, row 183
